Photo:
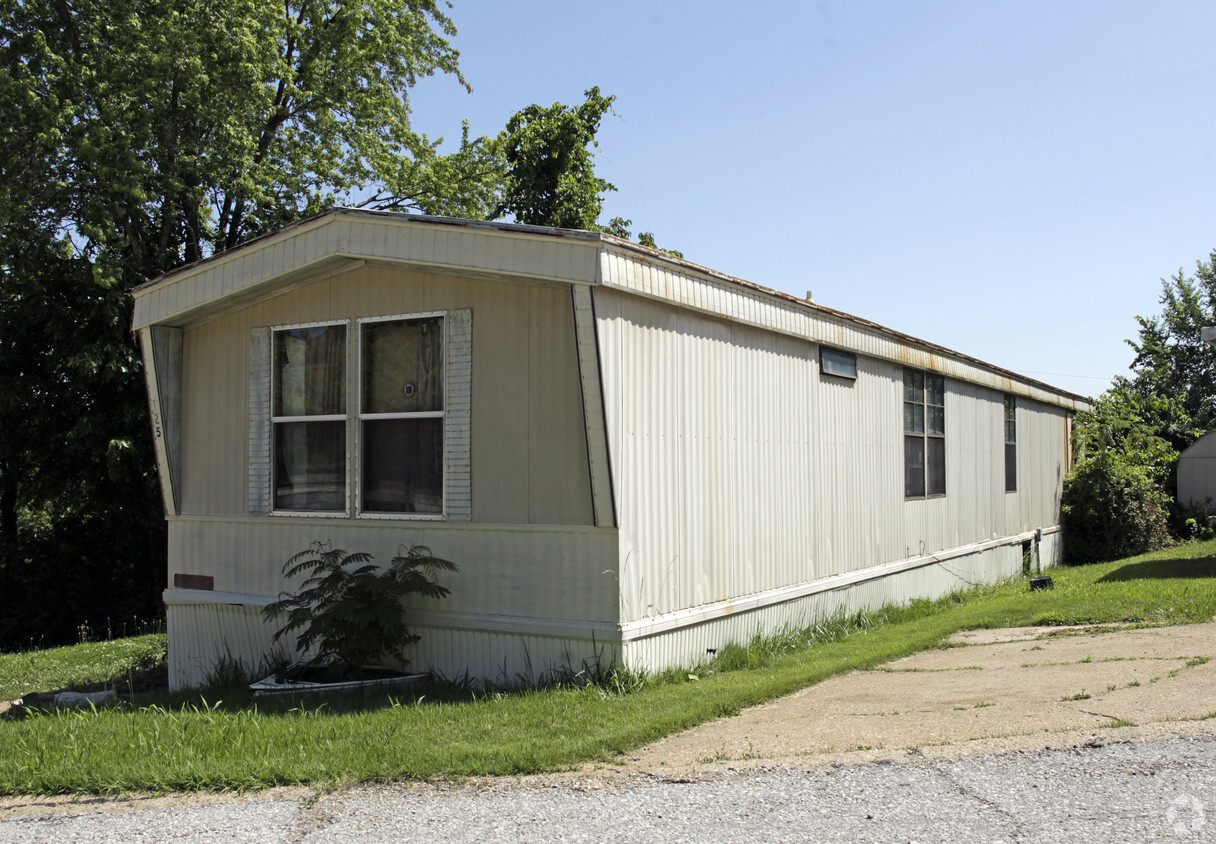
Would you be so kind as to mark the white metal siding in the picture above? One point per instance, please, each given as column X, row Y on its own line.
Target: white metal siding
column 742, row 303
column 739, row 468
column 692, row 643
column 201, row 635
column 534, row 571
column 1197, row 473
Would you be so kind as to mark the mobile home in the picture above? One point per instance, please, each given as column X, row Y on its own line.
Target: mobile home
column 634, row 459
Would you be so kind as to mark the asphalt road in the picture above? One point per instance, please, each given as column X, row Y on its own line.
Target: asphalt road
column 1119, row 791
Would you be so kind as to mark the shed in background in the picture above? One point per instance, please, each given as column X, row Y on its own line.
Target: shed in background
column 1197, row 472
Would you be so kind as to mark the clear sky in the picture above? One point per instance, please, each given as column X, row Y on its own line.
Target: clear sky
column 1011, row 180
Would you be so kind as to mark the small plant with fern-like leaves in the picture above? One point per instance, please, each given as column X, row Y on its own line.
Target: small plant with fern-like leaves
column 349, row 609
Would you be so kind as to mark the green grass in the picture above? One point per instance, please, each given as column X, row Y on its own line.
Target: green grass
column 227, row 742
column 89, row 666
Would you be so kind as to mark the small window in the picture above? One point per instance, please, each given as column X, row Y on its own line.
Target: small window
column 833, row 362
column 1011, row 444
column 924, row 434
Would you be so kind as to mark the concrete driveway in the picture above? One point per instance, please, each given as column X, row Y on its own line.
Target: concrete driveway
column 995, row 691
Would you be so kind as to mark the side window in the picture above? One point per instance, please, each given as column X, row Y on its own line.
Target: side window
column 840, row 364
column 308, row 418
column 924, row 434
column 401, row 415
column 1011, row 444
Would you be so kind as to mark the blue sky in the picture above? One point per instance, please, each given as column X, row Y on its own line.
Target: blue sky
column 1010, row 180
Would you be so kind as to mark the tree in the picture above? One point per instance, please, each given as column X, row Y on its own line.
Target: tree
column 1174, row 371
column 1116, row 501
column 142, row 135
column 551, row 177
column 1120, row 497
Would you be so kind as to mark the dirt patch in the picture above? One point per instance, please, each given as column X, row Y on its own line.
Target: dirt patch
column 994, row 691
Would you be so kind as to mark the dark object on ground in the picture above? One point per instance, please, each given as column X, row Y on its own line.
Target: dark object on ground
column 1038, row 584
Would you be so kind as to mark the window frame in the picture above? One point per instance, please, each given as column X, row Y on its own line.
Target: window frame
column 924, row 435
column 274, row 419
column 361, row 416
column 1010, row 437
column 826, row 352
column 452, row 445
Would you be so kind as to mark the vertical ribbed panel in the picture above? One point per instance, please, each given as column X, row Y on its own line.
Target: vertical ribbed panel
column 506, row 657
column 259, row 421
column 202, row 635
column 542, row 572
column 692, row 644
column 726, row 299
column 740, row 468
column 457, row 426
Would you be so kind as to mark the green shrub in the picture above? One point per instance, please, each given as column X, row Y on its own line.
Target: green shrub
column 354, row 616
column 1111, row 509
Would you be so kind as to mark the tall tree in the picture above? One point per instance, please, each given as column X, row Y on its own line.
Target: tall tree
column 1174, row 371
column 550, row 169
column 1120, row 497
column 550, row 157
column 144, row 134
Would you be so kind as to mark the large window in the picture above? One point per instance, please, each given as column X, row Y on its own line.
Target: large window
column 308, row 415
column 393, row 420
column 924, row 434
column 401, row 415
column 1011, row 444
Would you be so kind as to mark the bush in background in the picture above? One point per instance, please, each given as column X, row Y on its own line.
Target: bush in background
column 1111, row 509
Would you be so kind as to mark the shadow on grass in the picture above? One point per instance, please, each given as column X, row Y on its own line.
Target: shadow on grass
column 238, row 700
column 1162, row 569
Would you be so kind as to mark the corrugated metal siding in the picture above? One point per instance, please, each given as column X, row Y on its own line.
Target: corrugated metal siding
column 691, row 644
column 200, row 635
column 738, row 468
column 508, row 657
column 681, row 286
column 542, row 572
column 1197, row 481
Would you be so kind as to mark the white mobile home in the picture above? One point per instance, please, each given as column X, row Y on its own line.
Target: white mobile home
column 631, row 457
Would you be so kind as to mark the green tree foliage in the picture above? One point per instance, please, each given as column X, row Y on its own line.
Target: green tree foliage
column 1114, row 502
column 1174, row 371
column 550, row 169
column 140, row 135
column 551, row 177
column 1120, row 497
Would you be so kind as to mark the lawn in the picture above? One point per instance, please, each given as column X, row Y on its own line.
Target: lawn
column 226, row 741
